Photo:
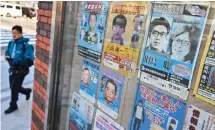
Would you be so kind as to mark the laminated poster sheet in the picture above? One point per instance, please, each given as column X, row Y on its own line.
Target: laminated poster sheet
column 92, row 29
column 173, row 41
column 205, row 82
column 103, row 122
column 154, row 110
column 81, row 113
column 89, row 80
column 110, row 92
column 124, row 34
column 197, row 119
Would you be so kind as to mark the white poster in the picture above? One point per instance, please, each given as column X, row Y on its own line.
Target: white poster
column 103, row 122
column 197, row 119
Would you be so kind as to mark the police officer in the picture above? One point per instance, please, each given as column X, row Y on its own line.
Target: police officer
column 20, row 56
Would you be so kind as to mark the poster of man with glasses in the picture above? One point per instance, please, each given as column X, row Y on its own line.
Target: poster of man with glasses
column 158, row 34
column 174, row 36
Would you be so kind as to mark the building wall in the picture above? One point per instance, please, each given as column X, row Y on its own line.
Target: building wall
column 41, row 64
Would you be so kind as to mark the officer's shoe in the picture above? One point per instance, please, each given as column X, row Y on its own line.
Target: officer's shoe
column 28, row 93
column 11, row 109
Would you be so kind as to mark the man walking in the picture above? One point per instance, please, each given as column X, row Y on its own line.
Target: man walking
column 20, row 56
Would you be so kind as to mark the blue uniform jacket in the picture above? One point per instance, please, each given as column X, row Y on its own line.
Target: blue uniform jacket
column 24, row 53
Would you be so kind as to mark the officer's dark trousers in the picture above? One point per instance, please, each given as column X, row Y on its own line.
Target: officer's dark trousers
column 16, row 79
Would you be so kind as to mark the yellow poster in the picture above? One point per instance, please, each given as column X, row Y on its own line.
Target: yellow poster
column 124, row 34
column 205, row 85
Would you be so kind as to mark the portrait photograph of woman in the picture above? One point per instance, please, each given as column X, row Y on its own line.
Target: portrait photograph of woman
column 183, row 42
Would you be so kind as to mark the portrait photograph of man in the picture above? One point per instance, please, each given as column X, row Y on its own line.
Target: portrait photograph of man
column 85, row 77
column 158, row 34
column 101, row 23
column 118, row 28
column 90, row 35
column 211, row 82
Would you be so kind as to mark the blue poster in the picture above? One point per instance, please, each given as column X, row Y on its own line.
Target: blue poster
column 89, row 79
column 172, row 46
column 154, row 110
column 92, row 29
column 110, row 92
column 81, row 113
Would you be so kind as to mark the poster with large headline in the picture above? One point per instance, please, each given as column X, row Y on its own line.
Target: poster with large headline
column 197, row 119
column 81, row 113
column 172, row 45
column 205, row 85
column 120, row 58
column 89, row 80
column 92, row 29
column 154, row 110
column 103, row 122
column 124, row 34
column 110, row 92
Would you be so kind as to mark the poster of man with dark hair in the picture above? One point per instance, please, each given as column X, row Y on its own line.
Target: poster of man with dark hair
column 125, row 32
column 172, row 45
column 111, row 87
column 89, row 79
column 93, row 22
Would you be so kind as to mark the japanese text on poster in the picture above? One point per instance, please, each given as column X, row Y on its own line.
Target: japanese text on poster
column 174, row 38
column 153, row 110
column 197, row 119
column 92, row 29
column 124, row 35
column 103, row 122
column 81, row 113
column 205, row 85
column 111, row 87
column 89, row 80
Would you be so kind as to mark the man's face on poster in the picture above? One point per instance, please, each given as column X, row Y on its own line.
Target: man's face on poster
column 101, row 21
column 118, row 29
column 213, row 77
column 134, row 44
column 110, row 92
column 86, row 77
column 140, row 104
column 158, row 35
column 136, row 22
column 92, row 22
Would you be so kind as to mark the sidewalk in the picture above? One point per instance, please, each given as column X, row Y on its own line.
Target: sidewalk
column 20, row 119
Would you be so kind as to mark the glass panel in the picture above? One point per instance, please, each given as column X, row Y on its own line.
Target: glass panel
column 152, row 108
column 73, row 73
